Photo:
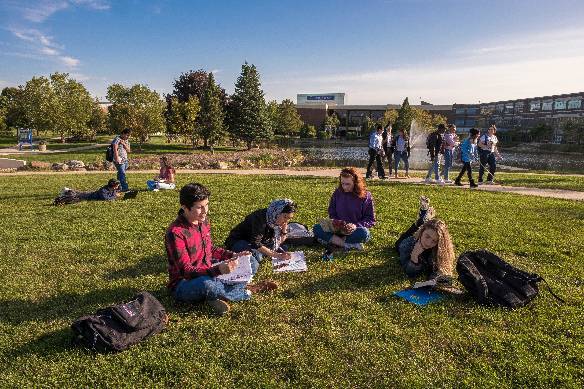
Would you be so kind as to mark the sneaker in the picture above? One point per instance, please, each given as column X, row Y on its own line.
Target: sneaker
column 448, row 181
column 408, row 176
column 428, row 180
column 490, row 182
column 424, row 203
column 219, row 307
column 473, row 185
column 354, row 246
column 457, row 183
column 480, row 183
column 429, row 215
column 327, row 256
column 383, row 178
column 440, row 182
column 262, row 287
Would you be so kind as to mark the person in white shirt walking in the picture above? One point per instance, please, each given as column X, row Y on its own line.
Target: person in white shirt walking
column 376, row 152
column 488, row 154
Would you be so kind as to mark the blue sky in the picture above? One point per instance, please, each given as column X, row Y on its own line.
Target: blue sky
column 378, row 52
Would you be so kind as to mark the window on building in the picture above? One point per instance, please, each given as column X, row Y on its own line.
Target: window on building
column 460, row 111
column 518, row 107
column 459, row 122
column 547, row 106
column 534, row 106
column 470, row 122
column 509, row 108
column 472, row 111
column 500, row 108
column 559, row 105
column 574, row 104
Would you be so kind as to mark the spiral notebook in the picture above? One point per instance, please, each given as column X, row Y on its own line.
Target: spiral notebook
column 295, row 264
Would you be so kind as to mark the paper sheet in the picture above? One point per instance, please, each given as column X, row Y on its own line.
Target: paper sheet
column 242, row 272
column 295, row 264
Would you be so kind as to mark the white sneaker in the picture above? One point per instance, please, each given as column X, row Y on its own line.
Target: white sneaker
column 490, row 182
column 440, row 182
column 429, row 181
column 64, row 190
column 448, row 181
column 354, row 246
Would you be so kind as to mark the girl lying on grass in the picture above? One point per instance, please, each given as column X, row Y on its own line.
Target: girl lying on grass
column 165, row 179
column 108, row 192
column 426, row 247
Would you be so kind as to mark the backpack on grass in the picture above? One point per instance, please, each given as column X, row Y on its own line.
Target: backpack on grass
column 120, row 326
column 492, row 281
column 109, row 153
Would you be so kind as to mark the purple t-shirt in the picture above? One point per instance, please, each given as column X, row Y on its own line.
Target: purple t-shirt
column 352, row 209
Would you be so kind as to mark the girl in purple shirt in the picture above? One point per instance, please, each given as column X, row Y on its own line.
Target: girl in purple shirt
column 351, row 215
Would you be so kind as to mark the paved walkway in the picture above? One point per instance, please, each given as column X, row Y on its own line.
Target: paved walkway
column 553, row 193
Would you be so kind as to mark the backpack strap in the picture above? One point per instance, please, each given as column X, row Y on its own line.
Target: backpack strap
column 551, row 291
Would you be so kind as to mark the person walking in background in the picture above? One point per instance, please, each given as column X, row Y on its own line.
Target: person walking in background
column 121, row 148
column 386, row 144
column 400, row 146
column 434, row 144
column 376, row 152
column 468, row 153
column 488, row 154
column 450, row 143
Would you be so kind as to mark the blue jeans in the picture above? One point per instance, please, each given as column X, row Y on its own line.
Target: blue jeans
column 447, row 163
column 360, row 235
column 404, row 156
column 256, row 256
column 209, row 288
column 122, row 167
column 435, row 167
column 487, row 160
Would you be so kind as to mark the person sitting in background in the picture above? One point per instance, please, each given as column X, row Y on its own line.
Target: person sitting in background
column 351, row 215
column 263, row 231
column 108, row 192
column 426, row 247
column 165, row 179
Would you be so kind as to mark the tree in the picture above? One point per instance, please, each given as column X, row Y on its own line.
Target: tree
column 248, row 118
column 72, row 108
column 272, row 113
column 182, row 118
column 37, row 102
column 389, row 117
column 98, row 120
column 404, row 117
column 331, row 122
column 288, row 121
column 14, row 113
column 573, row 129
column 138, row 108
column 212, row 114
column 426, row 121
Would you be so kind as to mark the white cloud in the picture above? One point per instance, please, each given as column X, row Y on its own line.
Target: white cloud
column 49, row 51
column 39, row 11
column 69, row 61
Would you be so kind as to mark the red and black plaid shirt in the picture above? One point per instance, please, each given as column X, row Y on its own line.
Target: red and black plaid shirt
column 190, row 251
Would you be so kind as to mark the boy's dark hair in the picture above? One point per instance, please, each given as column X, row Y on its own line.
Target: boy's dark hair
column 473, row 132
column 379, row 127
column 126, row 130
column 441, row 127
column 290, row 208
column 113, row 182
column 191, row 193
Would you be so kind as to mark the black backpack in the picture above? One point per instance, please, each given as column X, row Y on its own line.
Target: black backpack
column 118, row 327
column 109, row 153
column 431, row 141
column 492, row 281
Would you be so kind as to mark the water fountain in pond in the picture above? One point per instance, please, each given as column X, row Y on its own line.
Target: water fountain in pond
column 419, row 153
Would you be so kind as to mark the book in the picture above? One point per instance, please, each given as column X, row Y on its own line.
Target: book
column 420, row 296
column 293, row 265
column 241, row 274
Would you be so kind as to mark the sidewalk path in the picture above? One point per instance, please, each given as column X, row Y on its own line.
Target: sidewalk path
column 553, row 193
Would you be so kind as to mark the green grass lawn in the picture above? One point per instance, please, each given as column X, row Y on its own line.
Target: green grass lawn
column 335, row 326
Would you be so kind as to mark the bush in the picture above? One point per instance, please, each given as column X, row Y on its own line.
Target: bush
column 308, row 131
column 324, row 134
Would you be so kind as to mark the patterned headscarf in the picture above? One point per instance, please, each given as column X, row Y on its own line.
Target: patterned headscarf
column 274, row 210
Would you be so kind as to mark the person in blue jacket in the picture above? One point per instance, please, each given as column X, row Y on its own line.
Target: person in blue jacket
column 468, row 151
column 108, row 192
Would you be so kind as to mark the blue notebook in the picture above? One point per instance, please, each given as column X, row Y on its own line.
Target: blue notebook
column 420, row 296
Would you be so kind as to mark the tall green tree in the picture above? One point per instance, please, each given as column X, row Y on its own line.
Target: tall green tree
column 272, row 112
column 182, row 118
column 98, row 120
column 404, row 117
column 389, row 117
column 13, row 100
column 212, row 114
column 426, row 121
column 248, row 119
column 288, row 121
column 137, row 107
column 72, row 108
column 37, row 102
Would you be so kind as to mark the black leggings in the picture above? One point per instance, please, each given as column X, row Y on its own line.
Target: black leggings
column 465, row 167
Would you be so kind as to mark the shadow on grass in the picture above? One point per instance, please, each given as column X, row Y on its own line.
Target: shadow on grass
column 152, row 265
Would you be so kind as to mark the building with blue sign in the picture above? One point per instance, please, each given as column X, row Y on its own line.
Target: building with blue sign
column 319, row 98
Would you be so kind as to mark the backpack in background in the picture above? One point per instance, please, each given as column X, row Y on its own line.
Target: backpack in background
column 109, row 153
column 431, row 141
column 299, row 235
column 120, row 326
column 492, row 281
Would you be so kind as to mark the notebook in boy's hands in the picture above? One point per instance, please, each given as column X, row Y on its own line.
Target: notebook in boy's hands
column 242, row 272
column 131, row 194
column 295, row 264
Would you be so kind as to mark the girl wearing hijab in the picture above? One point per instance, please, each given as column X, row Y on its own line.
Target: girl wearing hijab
column 263, row 231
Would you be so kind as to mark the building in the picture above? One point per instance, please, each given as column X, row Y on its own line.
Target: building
column 320, row 98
